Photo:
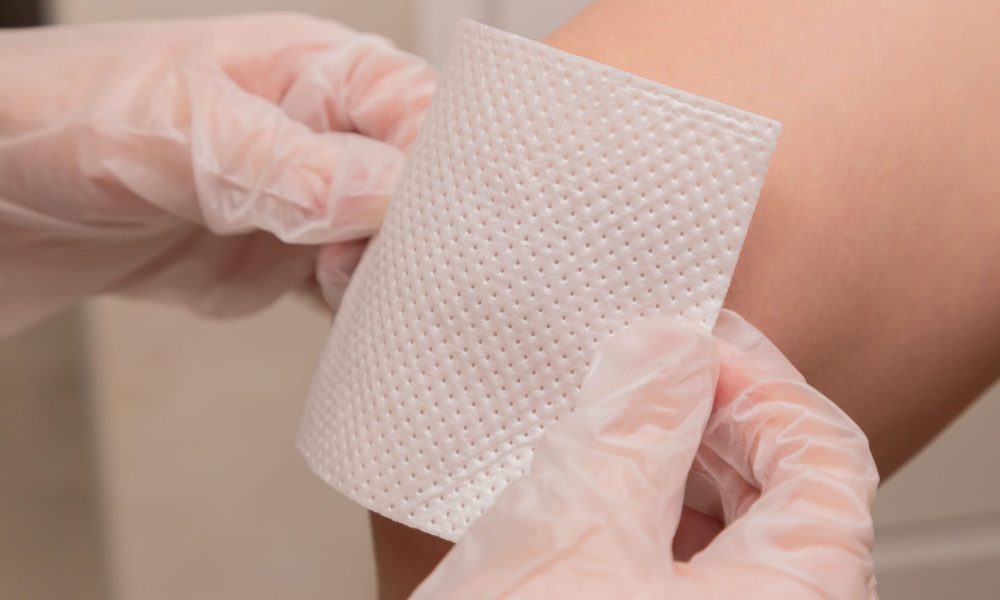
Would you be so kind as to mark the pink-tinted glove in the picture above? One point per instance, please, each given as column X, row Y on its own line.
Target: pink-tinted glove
column 196, row 161
column 596, row 515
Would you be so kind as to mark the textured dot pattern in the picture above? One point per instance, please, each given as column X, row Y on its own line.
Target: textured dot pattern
column 549, row 201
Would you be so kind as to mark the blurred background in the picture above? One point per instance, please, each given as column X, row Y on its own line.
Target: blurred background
column 146, row 454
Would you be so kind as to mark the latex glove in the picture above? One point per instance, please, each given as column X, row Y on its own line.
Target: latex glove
column 596, row 515
column 195, row 161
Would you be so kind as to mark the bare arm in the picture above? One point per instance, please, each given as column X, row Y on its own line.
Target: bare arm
column 873, row 260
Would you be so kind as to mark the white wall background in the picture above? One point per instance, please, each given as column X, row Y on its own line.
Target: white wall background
column 184, row 402
column 392, row 18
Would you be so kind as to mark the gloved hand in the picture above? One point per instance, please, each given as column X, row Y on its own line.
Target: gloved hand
column 197, row 161
column 597, row 513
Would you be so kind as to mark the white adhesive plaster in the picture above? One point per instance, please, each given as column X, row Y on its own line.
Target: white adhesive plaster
column 549, row 201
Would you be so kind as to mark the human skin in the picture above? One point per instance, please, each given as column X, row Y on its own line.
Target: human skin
column 873, row 259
